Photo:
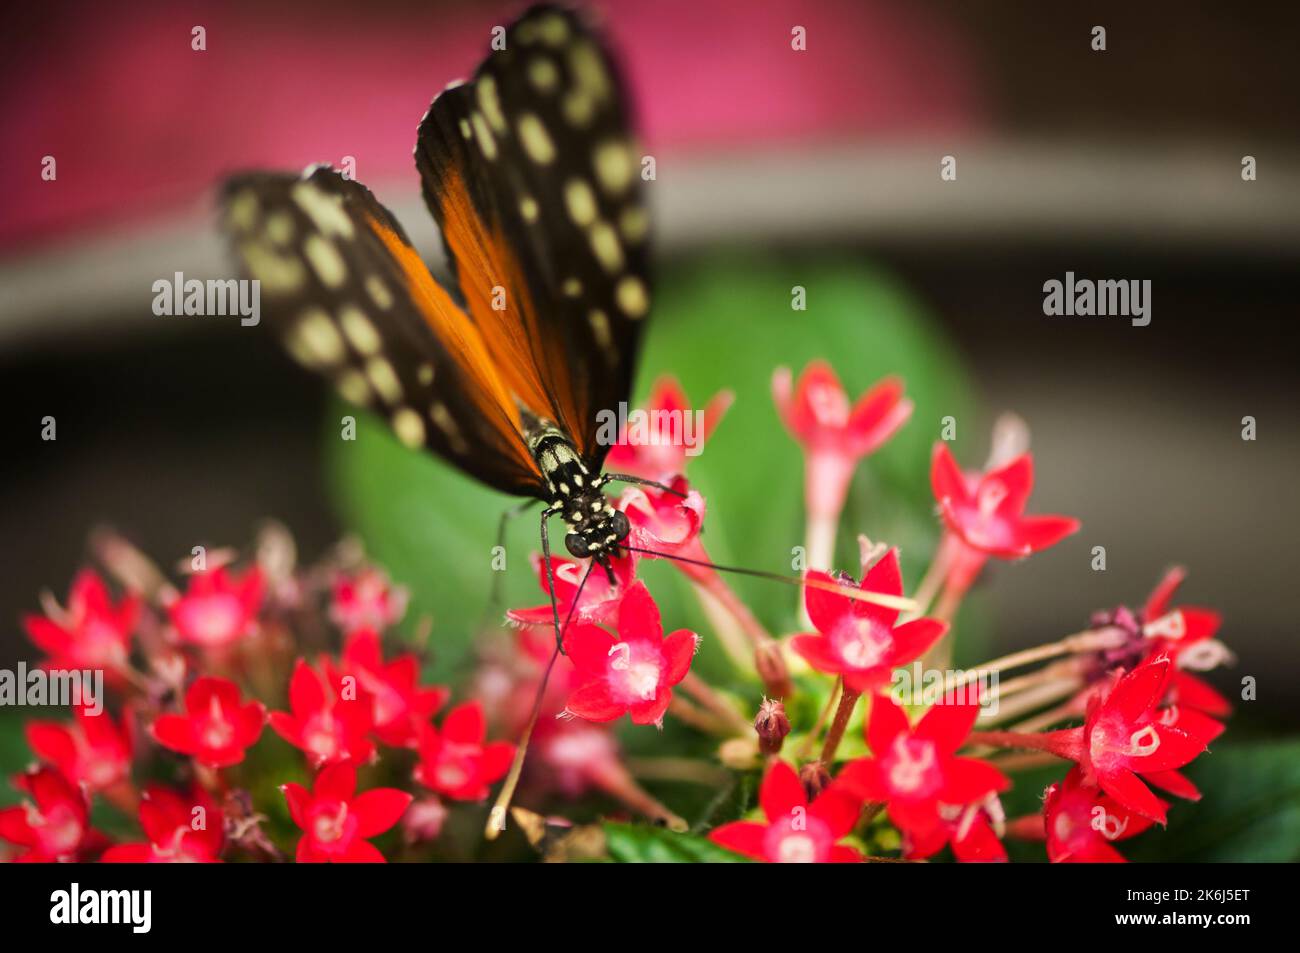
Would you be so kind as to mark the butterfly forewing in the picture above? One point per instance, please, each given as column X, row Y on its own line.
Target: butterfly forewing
column 533, row 175
column 353, row 301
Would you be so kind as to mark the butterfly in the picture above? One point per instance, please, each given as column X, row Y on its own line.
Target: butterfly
column 532, row 173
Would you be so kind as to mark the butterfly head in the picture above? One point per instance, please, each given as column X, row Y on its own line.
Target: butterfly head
column 595, row 528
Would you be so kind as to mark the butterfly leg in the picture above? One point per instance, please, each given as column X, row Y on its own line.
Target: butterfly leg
column 550, row 574
column 628, row 478
column 495, row 597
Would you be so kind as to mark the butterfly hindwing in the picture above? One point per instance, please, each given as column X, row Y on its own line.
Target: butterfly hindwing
column 353, row 301
column 534, row 178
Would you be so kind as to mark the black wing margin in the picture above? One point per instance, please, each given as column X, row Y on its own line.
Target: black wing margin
column 539, row 143
column 352, row 301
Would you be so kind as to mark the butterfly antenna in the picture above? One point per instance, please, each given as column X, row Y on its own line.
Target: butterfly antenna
column 902, row 603
column 497, row 816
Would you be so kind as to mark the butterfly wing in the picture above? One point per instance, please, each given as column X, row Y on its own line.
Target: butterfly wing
column 354, row 301
column 532, row 174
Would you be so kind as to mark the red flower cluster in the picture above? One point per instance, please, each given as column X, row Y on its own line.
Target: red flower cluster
column 197, row 675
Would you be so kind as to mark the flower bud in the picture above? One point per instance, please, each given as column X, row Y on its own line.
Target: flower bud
column 815, row 778
column 772, row 726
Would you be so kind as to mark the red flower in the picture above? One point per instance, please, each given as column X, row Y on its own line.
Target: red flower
column 916, row 771
column 659, row 451
column 455, row 761
column 330, row 719
column 218, row 608
column 599, row 602
column 367, row 600
column 861, row 640
column 1082, row 822
column 665, row 522
column 1127, row 734
column 987, row 511
column 180, row 829
column 835, row 435
column 1186, row 635
column 53, row 822
column 633, row 673
column 400, row 705
column 972, row 829
column 796, row 831
column 91, row 633
column 92, row 750
column 337, row 822
column 217, row 727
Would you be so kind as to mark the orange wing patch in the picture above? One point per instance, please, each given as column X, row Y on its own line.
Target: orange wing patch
column 464, row 343
column 496, row 291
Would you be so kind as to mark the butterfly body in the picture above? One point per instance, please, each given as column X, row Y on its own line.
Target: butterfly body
column 576, row 494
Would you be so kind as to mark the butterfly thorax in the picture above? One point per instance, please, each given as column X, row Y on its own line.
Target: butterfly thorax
column 577, row 494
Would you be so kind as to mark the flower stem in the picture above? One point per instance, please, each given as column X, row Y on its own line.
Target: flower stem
column 848, row 701
column 698, row 717
column 706, row 695
column 1064, row 744
column 810, row 739
column 932, row 581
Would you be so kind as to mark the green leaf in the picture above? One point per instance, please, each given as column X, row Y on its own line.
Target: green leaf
column 720, row 323
column 642, row 844
column 1249, row 809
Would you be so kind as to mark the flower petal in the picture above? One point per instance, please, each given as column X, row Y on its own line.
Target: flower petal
column 781, row 792
column 743, row 837
column 379, row 809
column 638, row 616
column 465, row 724
column 679, row 652
column 594, row 702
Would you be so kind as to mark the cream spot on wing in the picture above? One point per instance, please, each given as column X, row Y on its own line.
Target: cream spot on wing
column 528, row 209
column 441, row 416
column 578, row 107
column 465, row 131
column 543, row 74
column 241, row 211
column 612, row 161
column 572, row 287
column 325, row 210
column 634, row 223
column 589, row 73
column 384, row 379
column 484, row 136
column 379, row 293
column 279, row 227
column 632, row 297
column 552, row 29
column 490, row 103
column 276, row 272
column 599, row 322
column 535, row 139
column 425, row 374
column 325, row 260
column 358, row 330
column 352, row 386
column 605, row 246
column 317, row 336
column 580, row 200
column 409, row 427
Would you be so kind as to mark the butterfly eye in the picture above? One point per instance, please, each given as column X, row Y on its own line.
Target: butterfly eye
column 576, row 545
column 620, row 524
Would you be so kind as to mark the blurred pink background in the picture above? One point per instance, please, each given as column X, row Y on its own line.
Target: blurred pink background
column 140, row 124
